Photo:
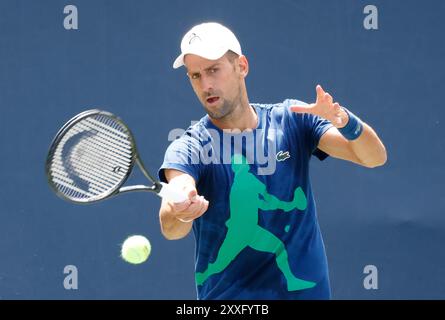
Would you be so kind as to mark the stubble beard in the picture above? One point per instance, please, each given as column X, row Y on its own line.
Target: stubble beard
column 225, row 111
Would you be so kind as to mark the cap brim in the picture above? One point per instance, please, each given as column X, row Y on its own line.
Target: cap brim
column 179, row 62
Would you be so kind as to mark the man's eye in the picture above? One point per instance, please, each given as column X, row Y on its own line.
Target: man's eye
column 195, row 76
column 213, row 70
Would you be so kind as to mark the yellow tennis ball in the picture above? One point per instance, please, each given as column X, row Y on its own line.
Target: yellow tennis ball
column 136, row 249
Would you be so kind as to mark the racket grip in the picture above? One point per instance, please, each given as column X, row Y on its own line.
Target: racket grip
column 172, row 194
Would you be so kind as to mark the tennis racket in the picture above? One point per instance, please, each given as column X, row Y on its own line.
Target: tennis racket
column 92, row 156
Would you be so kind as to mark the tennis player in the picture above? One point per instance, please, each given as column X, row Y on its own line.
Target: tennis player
column 254, row 221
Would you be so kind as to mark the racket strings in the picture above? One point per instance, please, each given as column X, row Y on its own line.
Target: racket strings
column 115, row 137
column 94, row 176
column 96, row 152
column 86, row 170
column 99, row 148
column 93, row 169
column 92, row 158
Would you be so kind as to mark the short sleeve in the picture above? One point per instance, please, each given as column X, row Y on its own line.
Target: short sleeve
column 182, row 155
column 317, row 127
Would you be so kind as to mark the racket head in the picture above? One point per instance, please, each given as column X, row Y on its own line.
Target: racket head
column 90, row 157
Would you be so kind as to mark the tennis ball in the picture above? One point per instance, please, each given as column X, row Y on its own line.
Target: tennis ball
column 135, row 249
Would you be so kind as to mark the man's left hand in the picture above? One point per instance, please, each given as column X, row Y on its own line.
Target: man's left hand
column 324, row 107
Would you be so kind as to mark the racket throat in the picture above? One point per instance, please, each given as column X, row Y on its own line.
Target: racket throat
column 154, row 188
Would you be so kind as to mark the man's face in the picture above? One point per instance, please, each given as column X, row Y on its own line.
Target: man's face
column 217, row 83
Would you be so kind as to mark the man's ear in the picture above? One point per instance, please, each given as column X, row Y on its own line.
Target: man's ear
column 243, row 65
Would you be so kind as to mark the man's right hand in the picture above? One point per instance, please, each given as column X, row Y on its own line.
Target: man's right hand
column 192, row 208
column 176, row 218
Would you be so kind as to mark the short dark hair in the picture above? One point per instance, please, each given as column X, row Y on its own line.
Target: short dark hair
column 231, row 56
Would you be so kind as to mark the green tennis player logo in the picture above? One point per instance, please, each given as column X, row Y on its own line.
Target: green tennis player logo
column 247, row 195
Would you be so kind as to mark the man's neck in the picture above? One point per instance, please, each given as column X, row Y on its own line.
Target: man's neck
column 242, row 118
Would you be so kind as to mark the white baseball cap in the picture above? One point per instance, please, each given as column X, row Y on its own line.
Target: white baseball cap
column 209, row 40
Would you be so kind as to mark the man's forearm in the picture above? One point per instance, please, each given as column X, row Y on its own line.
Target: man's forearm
column 368, row 148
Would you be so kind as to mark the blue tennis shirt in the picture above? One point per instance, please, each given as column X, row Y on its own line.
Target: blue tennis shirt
column 260, row 237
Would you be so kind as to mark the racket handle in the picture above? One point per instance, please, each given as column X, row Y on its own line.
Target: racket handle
column 172, row 194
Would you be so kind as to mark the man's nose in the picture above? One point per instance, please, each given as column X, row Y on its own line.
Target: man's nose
column 206, row 84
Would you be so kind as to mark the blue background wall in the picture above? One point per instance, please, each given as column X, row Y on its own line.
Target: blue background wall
column 120, row 60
